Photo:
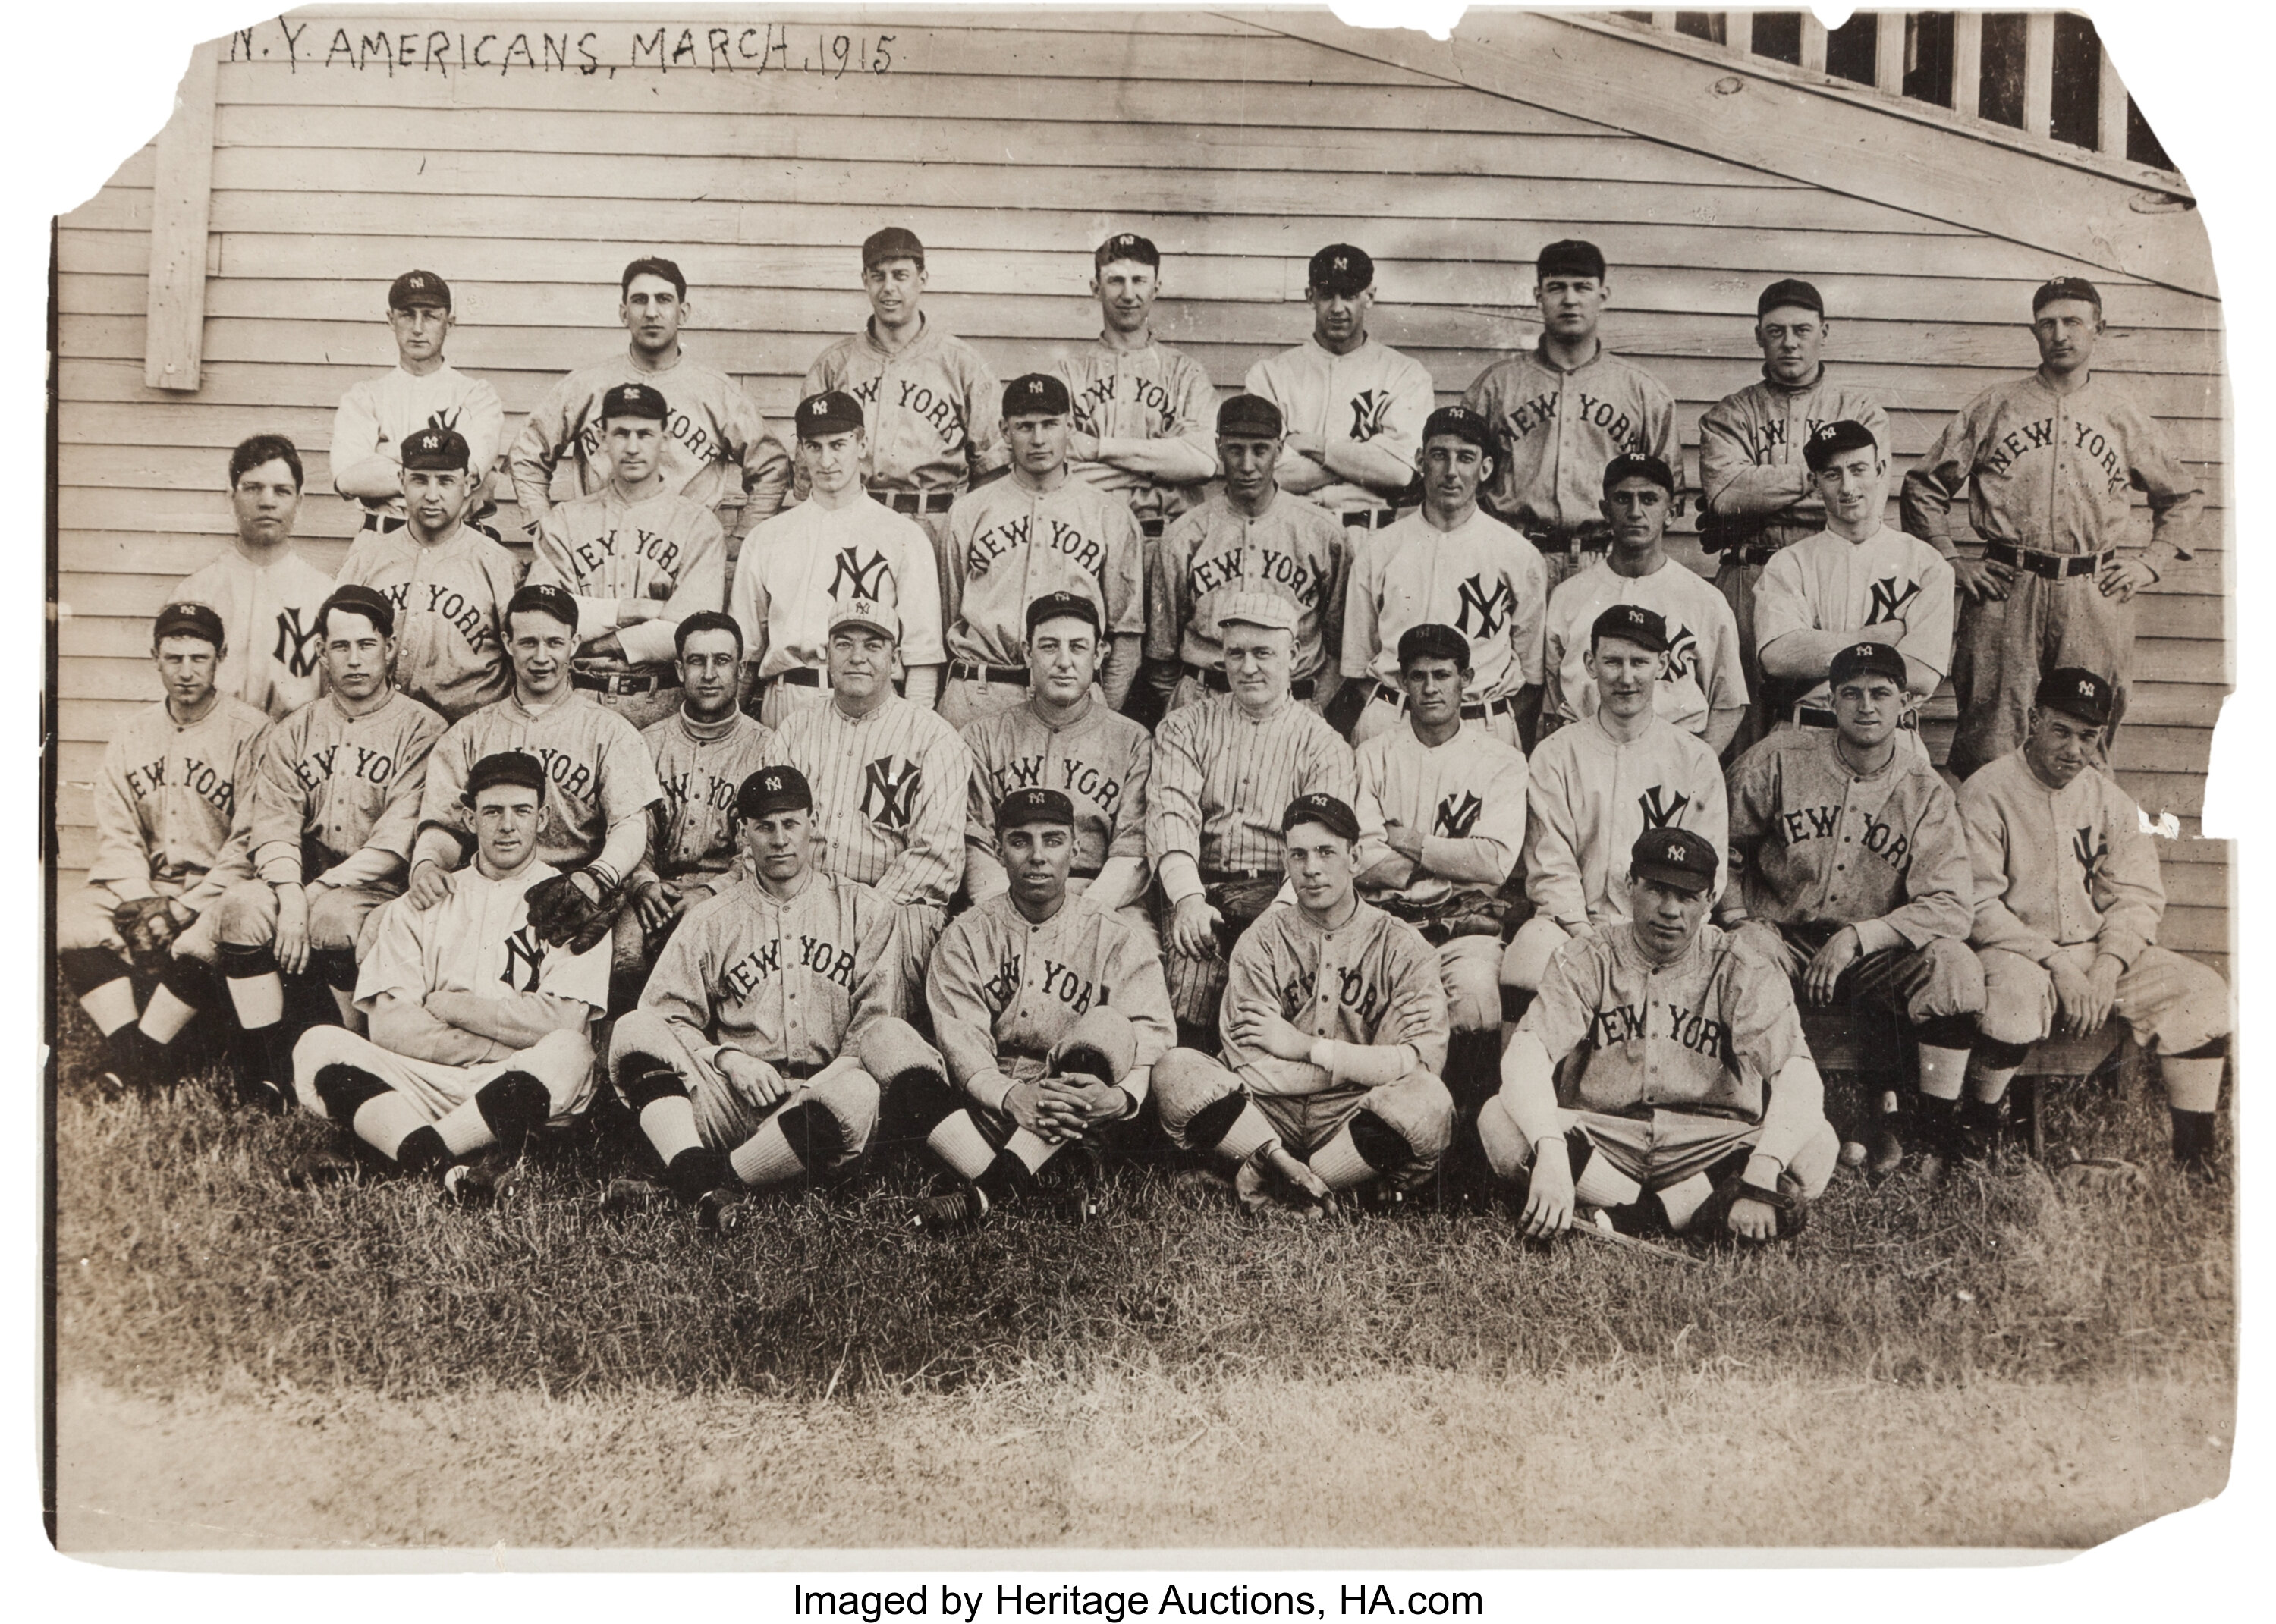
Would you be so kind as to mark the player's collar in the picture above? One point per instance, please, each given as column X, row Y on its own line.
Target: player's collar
column 925, row 336
column 1802, row 388
column 706, row 732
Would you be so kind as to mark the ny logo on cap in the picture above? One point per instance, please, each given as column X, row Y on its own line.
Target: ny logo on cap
column 1034, row 386
column 1342, row 264
column 816, row 406
column 1125, row 240
column 772, row 783
column 1824, row 431
column 1863, row 651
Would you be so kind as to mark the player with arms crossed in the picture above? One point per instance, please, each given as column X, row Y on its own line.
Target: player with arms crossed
column 1660, row 1081
column 2051, row 462
column 266, row 594
column 455, row 1067
column 378, row 414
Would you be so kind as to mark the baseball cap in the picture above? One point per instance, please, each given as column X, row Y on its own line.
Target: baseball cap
column 773, row 789
column 1251, row 414
column 546, row 599
column 1828, row 441
column 1570, row 257
column 504, row 767
column 2075, row 693
column 1269, row 610
column 1868, row 658
column 1430, row 641
column 1062, row 606
column 357, row 599
column 1636, row 465
column 895, row 242
column 633, row 401
column 2066, row 287
column 1791, row 293
column 831, row 412
column 1460, row 422
column 1023, row 807
column 1677, row 857
column 1127, row 246
column 1631, row 623
column 854, row 609
column 436, row 449
column 1331, row 814
column 1341, row 269
column 186, row 619
column 419, row 289
column 1037, row 394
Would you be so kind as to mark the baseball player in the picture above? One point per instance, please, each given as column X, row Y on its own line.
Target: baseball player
column 1334, row 1027
column 637, row 560
column 715, row 440
column 449, row 584
column 1051, row 1017
column 168, row 843
column 1441, row 811
column 1012, row 541
column 1854, row 578
column 1142, row 410
column 1446, row 564
column 1244, row 539
column 1759, row 494
column 334, row 802
column 742, row 1061
column 1563, row 410
column 1064, row 739
column 2051, row 461
column 266, row 594
column 1592, row 786
column 839, row 540
column 1218, row 764
column 930, row 400
column 2067, row 901
column 1661, row 1080
column 1355, row 408
column 702, row 753
column 599, row 783
column 890, row 779
column 1849, row 866
column 378, row 414
column 1703, row 690
column 455, row 1067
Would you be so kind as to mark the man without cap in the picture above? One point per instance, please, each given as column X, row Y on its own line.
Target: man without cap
column 266, row 594
column 1334, row 1029
column 1012, row 541
column 599, row 782
column 839, row 541
column 702, row 752
column 1563, row 409
column 1849, row 866
column 334, row 801
column 1441, row 811
column 1703, row 688
column 1759, row 494
column 931, row 402
column 1246, row 538
column 2067, row 901
column 637, row 560
column 1217, row 765
column 1660, row 1082
column 2051, row 462
column 455, row 1067
column 716, row 441
column 1591, row 787
column 1065, row 739
column 1354, row 407
column 1856, row 579
column 742, row 1061
column 449, row 584
column 1049, row 1016
column 1450, row 565
column 890, row 779
column 168, row 840
column 424, row 390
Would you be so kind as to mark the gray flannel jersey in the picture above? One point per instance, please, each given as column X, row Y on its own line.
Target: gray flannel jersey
column 166, row 804
column 1009, row 544
column 1156, row 393
column 341, row 791
column 1371, row 981
column 1554, row 431
column 1294, row 549
column 1101, row 761
column 1758, row 490
column 598, row 772
column 450, row 613
column 691, row 837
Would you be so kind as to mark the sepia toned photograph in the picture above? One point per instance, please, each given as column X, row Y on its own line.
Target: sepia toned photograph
column 831, row 783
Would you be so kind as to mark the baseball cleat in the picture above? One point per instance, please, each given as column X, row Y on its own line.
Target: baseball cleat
column 481, row 1183
column 1886, row 1154
column 1853, row 1153
column 721, row 1211
column 624, row 1195
column 964, row 1208
column 261, row 1094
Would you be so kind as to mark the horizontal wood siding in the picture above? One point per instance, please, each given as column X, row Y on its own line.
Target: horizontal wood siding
column 528, row 190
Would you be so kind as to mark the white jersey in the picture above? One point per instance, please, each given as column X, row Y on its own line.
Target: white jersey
column 1588, row 797
column 1373, row 396
column 1466, row 796
column 1702, row 673
column 478, row 940
column 1484, row 579
column 1892, row 585
column 796, row 564
column 889, row 796
column 377, row 414
column 268, row 616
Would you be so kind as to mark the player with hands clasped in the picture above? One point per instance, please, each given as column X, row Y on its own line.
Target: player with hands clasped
column 266, row 594
column 1334, row 1028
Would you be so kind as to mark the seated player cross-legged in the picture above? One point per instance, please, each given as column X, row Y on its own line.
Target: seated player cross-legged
column 1051, row 1016
column 739, row 1062
column 455, row 1067
column 1335, row 1025
column 1660, row 1077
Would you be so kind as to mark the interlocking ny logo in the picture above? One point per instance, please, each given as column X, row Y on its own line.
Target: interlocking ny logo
column 1456, row 819
column 1683, row 653
column 1492, row 608
column 864, row 575
column 2089, row 853
column 1889, row 600
column 297, row 646
column 889, row 791
column 444, row 422
column 1371, row 410
column 1658, row 809
column 524, row 954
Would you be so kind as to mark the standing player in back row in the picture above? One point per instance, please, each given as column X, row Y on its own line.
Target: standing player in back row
column 267, row 595
column 1563, row 410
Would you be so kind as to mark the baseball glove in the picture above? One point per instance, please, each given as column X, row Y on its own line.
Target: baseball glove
column 1793, row 1214
column 147, row 925
column 563, row 915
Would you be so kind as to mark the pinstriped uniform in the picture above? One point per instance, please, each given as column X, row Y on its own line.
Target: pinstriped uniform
column 1294, row 549
column 888, row 794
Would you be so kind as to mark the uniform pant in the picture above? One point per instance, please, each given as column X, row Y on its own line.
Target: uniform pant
column 726, row 1115
column 1668, row 1147
column 563, row 1061
column 1469, row 964
column 84, row 920
column 779, row 701
column 2001, row 648
column 1938, row 979
column 1525, row 961
column 966, row 700
column 338, row 918
column 1401, row 1129
column 641, row 710
column 1380, row 716
column 1197, row 985
column 2167, row 1001
column 1736, row 581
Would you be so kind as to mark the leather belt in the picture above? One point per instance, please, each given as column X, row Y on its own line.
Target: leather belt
column 1565, row 540
column 617, row 683
column 797, row 676
column 797, row 1071
column 1152, row 528
column 2049, row 565
column 1368, row 517
column 1753, row 552
column 1472, row 710
column 381, row 524
column 914, row 501
column 1214, row 679
column 1083, row 874
column 1232, row 877
column 1817, row 715
column 965, row 672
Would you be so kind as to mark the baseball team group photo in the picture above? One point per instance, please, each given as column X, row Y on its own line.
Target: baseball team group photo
column 1067, row 779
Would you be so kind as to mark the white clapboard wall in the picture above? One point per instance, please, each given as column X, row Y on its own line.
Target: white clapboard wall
column 1012, row 144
